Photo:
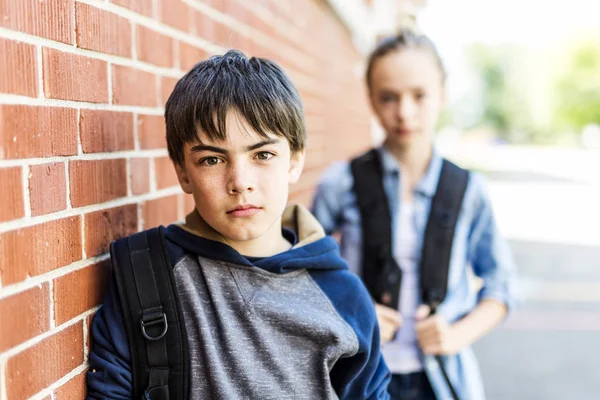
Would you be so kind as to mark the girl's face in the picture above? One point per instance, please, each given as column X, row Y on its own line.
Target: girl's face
column 407, row 95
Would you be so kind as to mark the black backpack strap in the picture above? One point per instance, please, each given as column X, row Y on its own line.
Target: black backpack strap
column 439, row 233
column 152, row 316
column 437, row 245
column 380, row 271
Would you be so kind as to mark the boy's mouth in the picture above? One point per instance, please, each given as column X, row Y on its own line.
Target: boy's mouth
column 243, row 210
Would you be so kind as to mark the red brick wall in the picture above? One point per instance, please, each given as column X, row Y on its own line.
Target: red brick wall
column 82, row 150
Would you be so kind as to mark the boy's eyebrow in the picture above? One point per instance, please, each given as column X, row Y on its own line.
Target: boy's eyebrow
column 203, row 147
column 261, row 144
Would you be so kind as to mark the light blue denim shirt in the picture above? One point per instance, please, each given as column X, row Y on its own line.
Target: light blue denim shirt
column 477, row 247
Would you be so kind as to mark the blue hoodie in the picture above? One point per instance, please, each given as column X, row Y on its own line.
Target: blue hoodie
column 295, row 325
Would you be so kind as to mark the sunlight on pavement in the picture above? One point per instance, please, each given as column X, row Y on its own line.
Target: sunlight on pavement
column 547, row 212
column 536, row 290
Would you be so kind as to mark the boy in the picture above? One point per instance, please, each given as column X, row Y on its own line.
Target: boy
column 269, row 309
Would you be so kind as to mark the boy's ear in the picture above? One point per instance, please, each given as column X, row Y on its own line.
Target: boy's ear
column 182, row 176
column 296, row 165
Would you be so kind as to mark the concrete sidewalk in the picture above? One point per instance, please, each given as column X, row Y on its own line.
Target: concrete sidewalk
column 547, row 203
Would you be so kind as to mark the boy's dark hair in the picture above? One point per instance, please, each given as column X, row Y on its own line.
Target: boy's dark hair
column 404, row 39
column 257, row 88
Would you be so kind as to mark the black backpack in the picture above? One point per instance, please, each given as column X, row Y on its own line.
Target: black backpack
column 380, row 272
column 152, row 316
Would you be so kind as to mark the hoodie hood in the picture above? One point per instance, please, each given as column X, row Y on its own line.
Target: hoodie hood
column 313, row 250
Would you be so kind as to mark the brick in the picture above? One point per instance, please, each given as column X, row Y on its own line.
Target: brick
column 151, row 132
column 79, row 291
column 19, row 68
column 188, row 203
column 102, row 227
column 223, row 35
column 12, row 199
column 139, row 168
column 37, row 367
column 190, row 55
column 215, row 4
column 143, row 7
column 234, row 10
column 97, row 181
column 38, row 249
column 168, row 84
column 303, row 197
column 180, row 207
column 161, row 211
column 165, row 173
column 176, row 13
column 74, row 389
column 30, row 131
column 205, row 27
column 308, row 181
column 89, row 320
column 100, row 30
column 244, row 44
column 153, row 47
column 106, row 131
column 47, row 188
column 133, row 87
column 316, row 158
column 251, row 19
column 52, row 19
column 24, row 316
column 265, row 52
column 74, row 77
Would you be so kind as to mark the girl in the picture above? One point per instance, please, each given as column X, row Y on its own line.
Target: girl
column 405, row 79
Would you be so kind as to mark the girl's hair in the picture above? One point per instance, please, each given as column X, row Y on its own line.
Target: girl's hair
column 404, row 39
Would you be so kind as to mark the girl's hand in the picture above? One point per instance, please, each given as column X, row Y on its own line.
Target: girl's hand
column 389, row 322
column 434, row 333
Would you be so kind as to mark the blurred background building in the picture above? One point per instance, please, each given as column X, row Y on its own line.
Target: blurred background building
column 83, row 159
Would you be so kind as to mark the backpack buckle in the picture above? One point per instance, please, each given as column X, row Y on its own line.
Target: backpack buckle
column 152, row 318
column 435, row 298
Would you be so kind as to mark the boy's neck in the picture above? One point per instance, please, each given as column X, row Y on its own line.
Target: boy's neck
column 270, row 243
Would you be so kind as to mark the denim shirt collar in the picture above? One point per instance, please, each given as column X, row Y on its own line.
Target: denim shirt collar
column 428, row 183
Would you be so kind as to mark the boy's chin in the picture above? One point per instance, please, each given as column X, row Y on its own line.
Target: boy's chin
column 243, row 235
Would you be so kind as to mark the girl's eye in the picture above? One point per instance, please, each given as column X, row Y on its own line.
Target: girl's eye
column 264, row 155
column 388, row 99
column 210, row 161
column 419, row 96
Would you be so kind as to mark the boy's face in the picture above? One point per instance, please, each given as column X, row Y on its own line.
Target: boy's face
column 240, row 185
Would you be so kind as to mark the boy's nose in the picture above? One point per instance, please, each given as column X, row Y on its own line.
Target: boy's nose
column 240, row 180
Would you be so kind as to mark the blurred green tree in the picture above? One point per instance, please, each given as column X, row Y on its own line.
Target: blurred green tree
column 577, row 89
column 503, row 102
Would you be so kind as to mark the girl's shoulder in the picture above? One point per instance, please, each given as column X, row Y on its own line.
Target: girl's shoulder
column 477, row 195
column 338, row 177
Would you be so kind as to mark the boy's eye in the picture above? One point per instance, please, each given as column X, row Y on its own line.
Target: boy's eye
column 210, row 161
column 264, row 155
